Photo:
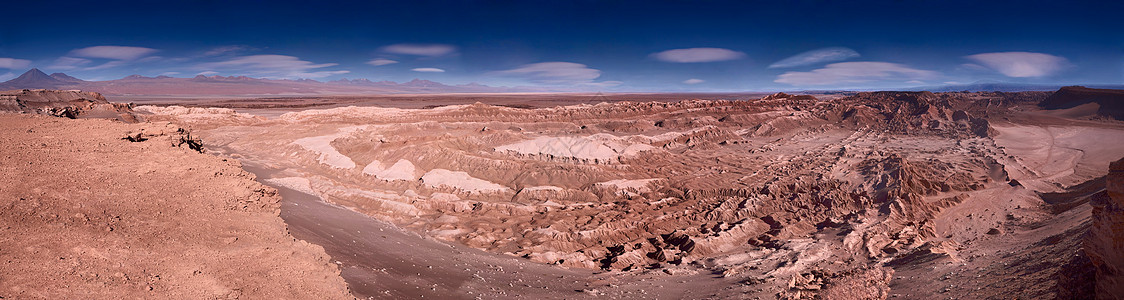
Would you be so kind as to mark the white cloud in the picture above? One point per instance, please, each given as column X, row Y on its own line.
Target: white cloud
column 556, row 72
column 317, row 74
column 698, row 55
column 116, row 55
column 972, row 67
column 420, row 49
column 609, row 83
column 13, row 63
column 1021, row 64
column 68, row 63
column 694, row 81
column 7, row 76
column 269, row 61
column 816, row 56
column 207, row 73
column 169, row 73
column 428, row 70
column 225, row 50
column 855, row 72
column 112, row 52
column 272, row 66
column 107, row 65
column 381, row 62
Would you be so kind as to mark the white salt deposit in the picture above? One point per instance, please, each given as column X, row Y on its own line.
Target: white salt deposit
column 373, row 167
column 401, row 170
column 323, row 145
column 543, row 188
column 576, row 147
column 460, row 180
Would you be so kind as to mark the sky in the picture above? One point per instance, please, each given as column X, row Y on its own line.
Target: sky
column 705, row 46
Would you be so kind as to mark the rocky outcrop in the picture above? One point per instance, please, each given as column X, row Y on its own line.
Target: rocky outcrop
column 1105, row 241
column 907, row 112
column 68, row 104
column 88, row 214
column 1110, row 102
column 785, row 96
column 171, row 134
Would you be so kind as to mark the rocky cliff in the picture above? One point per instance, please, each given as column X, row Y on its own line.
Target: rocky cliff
column 1110, row 102
column 1105, row 242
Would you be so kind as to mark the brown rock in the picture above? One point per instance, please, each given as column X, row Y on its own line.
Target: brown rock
column 1105, row 241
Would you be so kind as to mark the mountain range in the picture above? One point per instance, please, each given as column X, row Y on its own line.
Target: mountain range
column 991, row 86
column 137, row 85
column 217, row 86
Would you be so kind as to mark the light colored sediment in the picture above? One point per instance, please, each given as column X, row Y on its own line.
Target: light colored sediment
column 461, row 181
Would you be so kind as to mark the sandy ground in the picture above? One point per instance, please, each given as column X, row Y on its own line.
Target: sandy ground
column 88, row 215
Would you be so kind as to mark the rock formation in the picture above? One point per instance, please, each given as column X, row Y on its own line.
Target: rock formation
column 1105, row 243
column 69, row 104
column 1110, row 102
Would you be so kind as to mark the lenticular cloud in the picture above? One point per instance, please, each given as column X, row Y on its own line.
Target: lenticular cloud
column 816, row 56
column 1021, row 64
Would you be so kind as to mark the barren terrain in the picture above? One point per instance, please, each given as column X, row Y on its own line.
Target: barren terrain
column 887, row 194
column 861, row 196
column 88, row 214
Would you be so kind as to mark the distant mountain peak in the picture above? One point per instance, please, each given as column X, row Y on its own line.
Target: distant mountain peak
column 352, row 81
column 33, row 79
column 422, row 83
column 223, row 78
column 233, row 85
column 65, row 78
column 34, row 73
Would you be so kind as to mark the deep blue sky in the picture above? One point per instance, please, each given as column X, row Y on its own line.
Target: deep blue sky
column 592, row 45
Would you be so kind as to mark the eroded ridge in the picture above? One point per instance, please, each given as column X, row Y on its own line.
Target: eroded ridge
column 808, row 195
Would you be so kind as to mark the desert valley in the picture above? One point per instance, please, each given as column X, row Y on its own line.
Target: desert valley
column 481, row 149
column 833, row 196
